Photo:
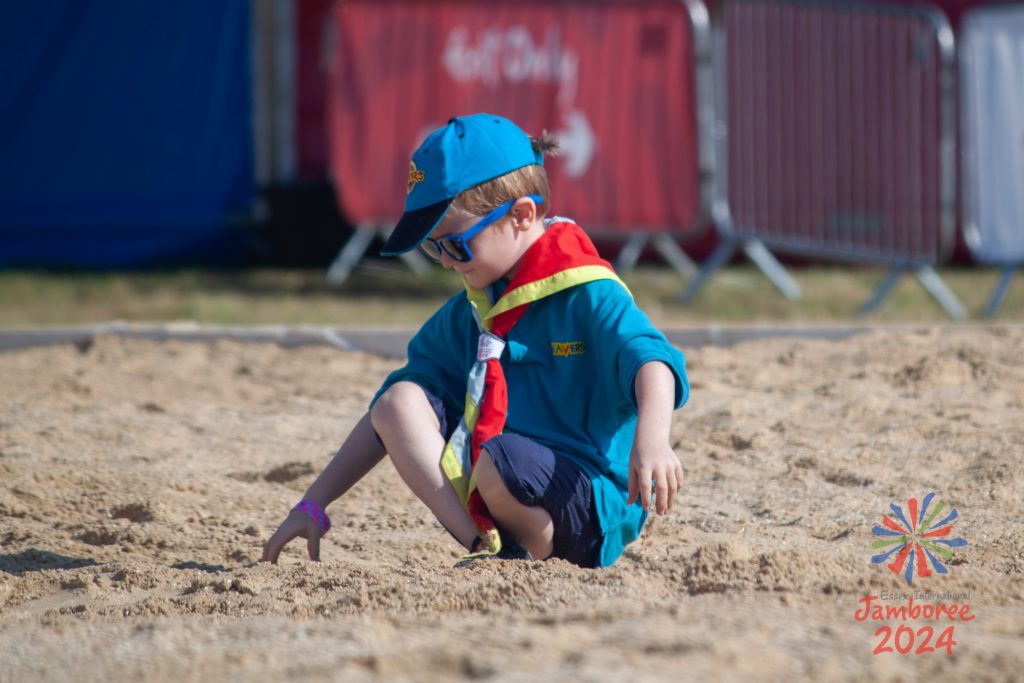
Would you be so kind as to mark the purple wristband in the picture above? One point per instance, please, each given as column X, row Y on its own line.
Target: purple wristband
column 315, row 513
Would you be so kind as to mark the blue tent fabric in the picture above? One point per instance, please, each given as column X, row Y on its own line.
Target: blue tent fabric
column 125, row 132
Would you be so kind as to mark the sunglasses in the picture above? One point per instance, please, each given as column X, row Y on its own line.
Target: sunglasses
column 456, row 246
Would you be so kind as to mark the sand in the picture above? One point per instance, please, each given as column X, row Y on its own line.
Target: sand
column 139, row 480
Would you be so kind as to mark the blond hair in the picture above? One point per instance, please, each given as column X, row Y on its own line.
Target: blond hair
column 532, row 179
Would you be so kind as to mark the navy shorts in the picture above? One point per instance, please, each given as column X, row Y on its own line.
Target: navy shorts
column 537, row 476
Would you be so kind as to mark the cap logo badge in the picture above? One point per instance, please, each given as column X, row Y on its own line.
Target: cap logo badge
column 415, row 176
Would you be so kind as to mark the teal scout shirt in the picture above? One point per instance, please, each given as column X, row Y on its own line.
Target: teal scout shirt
column 569, row 366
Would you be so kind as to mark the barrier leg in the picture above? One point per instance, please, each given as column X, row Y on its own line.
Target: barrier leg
column 416, row 262
column 942, row 293
column 721, row 255
column 350, row 255
column 630, row 252
column 883, row 290
column 998, row 296
column 773, row 270
column 675, row 256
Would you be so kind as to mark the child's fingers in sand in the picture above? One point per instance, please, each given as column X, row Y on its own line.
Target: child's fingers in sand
column 295, row 525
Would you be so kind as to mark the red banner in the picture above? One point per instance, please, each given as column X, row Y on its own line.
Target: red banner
column 613, row 81
column 311, row 29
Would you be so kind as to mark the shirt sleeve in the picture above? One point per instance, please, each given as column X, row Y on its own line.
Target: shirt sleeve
column 630, row 341
column 438, row 355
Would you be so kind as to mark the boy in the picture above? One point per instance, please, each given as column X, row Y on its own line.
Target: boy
column 535, row 407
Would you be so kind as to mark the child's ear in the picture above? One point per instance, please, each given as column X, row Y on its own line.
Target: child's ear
column 524, row 213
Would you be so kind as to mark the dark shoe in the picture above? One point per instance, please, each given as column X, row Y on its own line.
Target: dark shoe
column 513, row 551
column 510, row 550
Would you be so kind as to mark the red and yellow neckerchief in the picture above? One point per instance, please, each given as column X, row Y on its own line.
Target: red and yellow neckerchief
column 562, row 258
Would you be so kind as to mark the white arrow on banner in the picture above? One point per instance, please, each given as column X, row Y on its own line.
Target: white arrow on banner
column 577, row 143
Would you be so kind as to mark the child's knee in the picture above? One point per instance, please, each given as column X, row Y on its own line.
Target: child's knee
column 401, row 401
column 399, row 398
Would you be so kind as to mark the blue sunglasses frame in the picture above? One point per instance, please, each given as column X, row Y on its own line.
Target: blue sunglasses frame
column 457, row 245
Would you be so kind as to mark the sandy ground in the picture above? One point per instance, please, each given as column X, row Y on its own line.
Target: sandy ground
column 139, row 480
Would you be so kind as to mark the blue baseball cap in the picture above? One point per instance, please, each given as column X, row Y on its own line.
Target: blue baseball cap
column 469, row 150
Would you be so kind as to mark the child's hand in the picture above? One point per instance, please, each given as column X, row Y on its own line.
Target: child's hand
column 296, row 524
column 654, row 462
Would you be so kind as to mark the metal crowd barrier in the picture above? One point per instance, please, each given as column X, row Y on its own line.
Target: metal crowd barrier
column 992, row 140
column 837, row 139
column 624, row 86
column 290, row 132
